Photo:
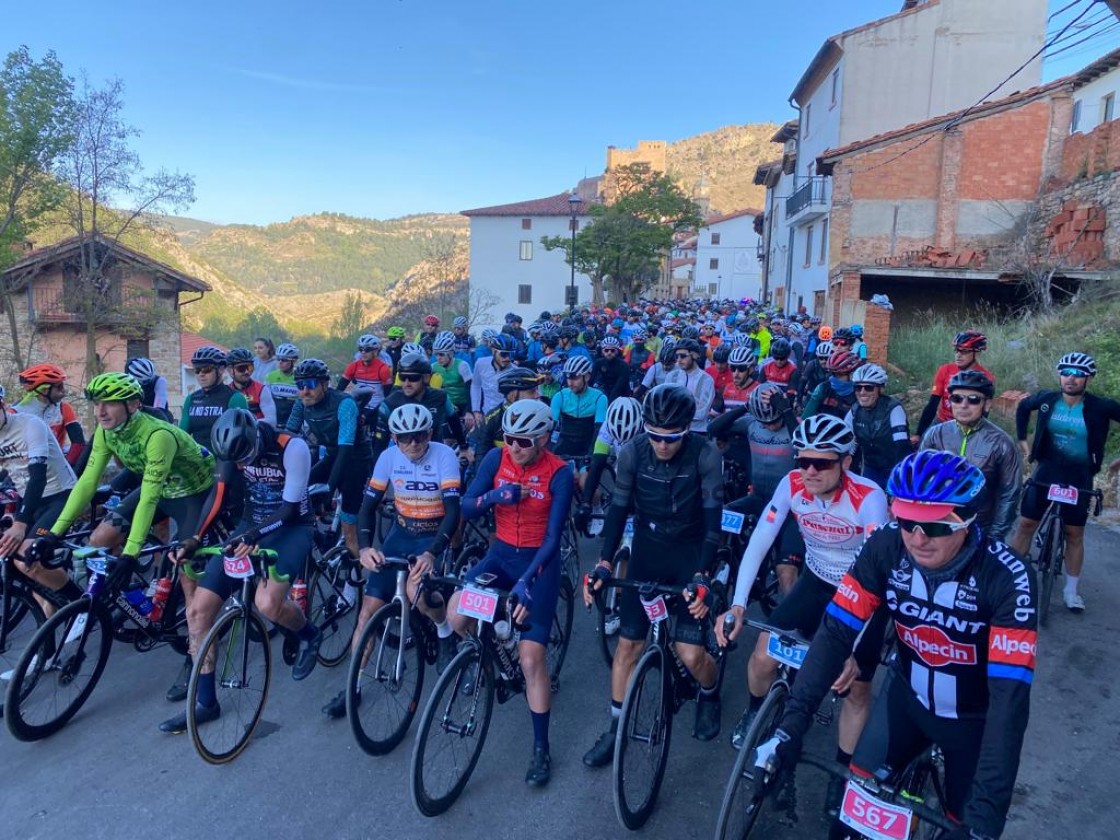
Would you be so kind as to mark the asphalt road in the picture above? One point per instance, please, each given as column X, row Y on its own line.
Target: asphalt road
column 111, row 774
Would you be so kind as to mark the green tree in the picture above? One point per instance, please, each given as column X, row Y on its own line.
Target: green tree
column 351, row 319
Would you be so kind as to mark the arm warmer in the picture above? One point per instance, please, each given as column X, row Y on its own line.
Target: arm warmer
column 33, row 492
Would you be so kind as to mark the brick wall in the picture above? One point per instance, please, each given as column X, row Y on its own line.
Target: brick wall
column 1089, row 155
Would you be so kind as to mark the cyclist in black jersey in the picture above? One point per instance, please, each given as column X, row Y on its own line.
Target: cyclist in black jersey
column 203, row 407
column 415, row 375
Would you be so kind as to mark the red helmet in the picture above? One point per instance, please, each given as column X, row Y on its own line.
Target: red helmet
column 842, row 361
column 971, row 341
column 431, row 321
column 39, row 375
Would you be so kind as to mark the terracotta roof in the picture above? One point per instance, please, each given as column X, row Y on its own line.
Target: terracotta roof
column 726, row 217
column 63, row 249
column 189, row 342
column 1095, row 70
column 554, row 205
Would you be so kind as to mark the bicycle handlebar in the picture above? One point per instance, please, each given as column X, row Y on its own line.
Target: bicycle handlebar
column 792, row 635
column 1097, row 495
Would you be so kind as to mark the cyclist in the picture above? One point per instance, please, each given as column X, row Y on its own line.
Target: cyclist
column 835, row 511
column 427, row 335
column 967, row 346
column 271, row 472
column 690, row 376
column 859, row 346
column 639, row 357
column 656, row 373
column 514, row 383
column 394, row 343
column 282, row 383
column 154, row 385
column 369, row 370
column 672, row 481
column 45, row 392
column 203, row 406
column 880, row 425
column 624, row 421
column 465, row 343
column 330, row 422
column 964, row 608
column 568, row 345
column 530, row 490
column 1068, row 448
column 257, row 394
column 610, row 373
column 425, row 479
column 815, row 372
column 721, row 374
column 780, row 368
column 484, row 382
column 984, row 445
column 578, row 411
column 455, row 373
column 836, row 394
column 742, row 361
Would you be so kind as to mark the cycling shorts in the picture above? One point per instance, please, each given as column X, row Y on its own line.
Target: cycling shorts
column 351, row 486
column 790, row 545
column 1034, row 502
column 47, row 513
column 292, row 544
column 668, row 563
column 398, row 543
column 185, row 512
column 509, row 564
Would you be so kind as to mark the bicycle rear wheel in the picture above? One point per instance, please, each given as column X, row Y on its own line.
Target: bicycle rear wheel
column 741, row 805
column 58, row 670
column 239, row 647
column 333, row 602
column 20, row 617
column 560, row 636
column 451, row 733
column 472, row 552
column 1048, row 563
column 641, row 746
column 384, row 682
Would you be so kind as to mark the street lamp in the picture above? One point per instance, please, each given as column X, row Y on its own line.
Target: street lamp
column 574, row 205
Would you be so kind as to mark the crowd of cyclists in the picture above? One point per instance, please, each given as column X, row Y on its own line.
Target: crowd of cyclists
column 872, row 526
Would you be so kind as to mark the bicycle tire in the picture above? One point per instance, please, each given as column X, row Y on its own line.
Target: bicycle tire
column 175, row 621
column 740, row 807
column 20, row 618
column 333, row 604
column 239, row 643
column 379, row 704
column 53, row 660
column 442, row 711
column 470, row 555
column 1048, row 566
column 569, row 553
column 607, row 605
column 923, row 780
column 560, row 635
column 645, row 729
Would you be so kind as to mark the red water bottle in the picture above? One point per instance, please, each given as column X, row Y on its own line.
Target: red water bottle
column 159, row 600
column 299, row 595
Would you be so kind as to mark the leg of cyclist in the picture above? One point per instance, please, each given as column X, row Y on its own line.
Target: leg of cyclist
column 532, row 652
column 1024, row 531
column 690, row 648
column 291, row 544
column 1075, row 557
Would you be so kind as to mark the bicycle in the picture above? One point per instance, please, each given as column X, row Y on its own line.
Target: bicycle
column 51, row 680
column 1050, row 539
column 334, row 586
column 457, row 714
column 659, row 686
column 238, row 647
column 606, row 600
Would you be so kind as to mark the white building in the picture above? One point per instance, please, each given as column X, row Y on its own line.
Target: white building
column 932, row 57
column 1095, row 92
column 727, row 257
column 508, row 260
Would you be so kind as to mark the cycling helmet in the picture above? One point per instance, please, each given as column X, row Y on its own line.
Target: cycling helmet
column 239, row 356
column 972, row 380
column 638, row 336
column 208, row 356
column 824, row 433
column 488, row 336
column 690, row 332
column 38, row 375
column 287, row 350
column 764, row 411
column 722, row 353
column 414, row 363
column 431, row 321
column 743, row 356
column 577, row 366
column 549, row 330
column 1078, row 361
column 869, row 375
column 113, row 387
column 569, row 333
column 369, row 342
column 444, row 342
column 780, row 348
column 505, row 342
column 311, row 369
column 930, row 484
column 234, row 436
column 624, row 419
column 459, row 321
column 410, row 347
column 824, row 350
column 517, row 379
column 971, row 341
column 669, row 407
column 825, row 333
column 142, row 369
column 691, row 345
column 856, row 330
column 668, row 354
column 531, row 418
column 589, row 337
column 409, row 418
column 740, row 339
column 610, row 341
column 842, row 361
column 395, row 332
column 843, row 334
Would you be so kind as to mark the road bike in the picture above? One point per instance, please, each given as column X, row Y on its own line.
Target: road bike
column 1050, row 539
column 334, row 585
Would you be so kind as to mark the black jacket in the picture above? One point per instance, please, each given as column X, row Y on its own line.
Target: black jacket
column 1098, row 411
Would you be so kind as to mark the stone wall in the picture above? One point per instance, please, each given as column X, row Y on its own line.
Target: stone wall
column 1098, row 194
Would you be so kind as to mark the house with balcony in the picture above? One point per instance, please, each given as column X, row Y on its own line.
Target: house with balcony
column 137, row 313
column 727, row 257
column 932, row 57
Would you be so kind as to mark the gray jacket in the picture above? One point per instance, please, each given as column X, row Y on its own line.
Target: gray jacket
column 990, row 448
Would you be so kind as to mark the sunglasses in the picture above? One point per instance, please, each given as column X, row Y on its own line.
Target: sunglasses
column 818, row 464
column 204, row 370
column 410, row 438
column 866, row 387
column 839, row 342
column 684, row 355
column 971, row 399
column 658, row 437
column 307, row 384
column 1080, row 374
column 742, row 368
column 410, row 377
column 503, row 353
column 519, row 442
column 933, row 529
column 611, row 350
column 368, row 350
column 242, row 368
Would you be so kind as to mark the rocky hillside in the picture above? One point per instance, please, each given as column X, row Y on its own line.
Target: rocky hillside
column 720, row 164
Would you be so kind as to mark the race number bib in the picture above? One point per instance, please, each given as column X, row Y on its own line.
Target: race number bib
column 872, row 817
column 732, row 522
column 789, row 654
column 479, row 603
column 238, row 568
column 655, row 608
column 1062, row 494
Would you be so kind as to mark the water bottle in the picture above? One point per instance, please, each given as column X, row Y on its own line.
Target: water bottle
column 159, row 598
column 299, row 595
column 503, row 630
column 139, row 600
column 112, row 502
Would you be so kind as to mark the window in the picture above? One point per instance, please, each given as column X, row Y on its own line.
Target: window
column 715, row 238
column 713, row 263
column 824, row 242
column 524, row 293
column 1075, row 120
column 805, row 120
column 526, row 224
column 713, row 289
column 808, row 246
column 137, row 348
column 526, row 249
column 835, row 87
column 1108, row 107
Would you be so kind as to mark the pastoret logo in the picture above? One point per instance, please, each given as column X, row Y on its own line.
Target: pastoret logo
column 826, row 528
column 934, row 647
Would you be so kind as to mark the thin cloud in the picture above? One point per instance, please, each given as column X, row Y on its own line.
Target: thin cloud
column 306, row 84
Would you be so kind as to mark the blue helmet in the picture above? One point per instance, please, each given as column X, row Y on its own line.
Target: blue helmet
column 940, row 480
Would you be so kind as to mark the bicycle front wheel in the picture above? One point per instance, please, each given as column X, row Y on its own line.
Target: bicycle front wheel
column 607, row 622
column 1048, row 566
column 238, row 646
column 384, row 682
column 333, row 601
column 452, row 731
column 20, row 617
column 641, row 746
column 924, row 781
column 58, row 670
column 741, row 802
column 560, row 635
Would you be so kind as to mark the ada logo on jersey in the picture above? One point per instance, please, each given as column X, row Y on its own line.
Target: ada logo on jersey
column 934, row 647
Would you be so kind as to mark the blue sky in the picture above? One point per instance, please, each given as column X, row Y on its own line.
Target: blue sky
column 386, row 107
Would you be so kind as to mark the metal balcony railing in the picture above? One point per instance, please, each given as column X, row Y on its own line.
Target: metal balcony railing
column 812, row 192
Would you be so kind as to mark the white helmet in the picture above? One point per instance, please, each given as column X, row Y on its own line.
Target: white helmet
column 624, row 418
column 409, row 418
column 824, row 433
column 743, row 356
column 869, row 375
column 577, row 366
column 444, row 341
column 530, row 418
column 369, row 342
column 824, row 350
column 412, row 347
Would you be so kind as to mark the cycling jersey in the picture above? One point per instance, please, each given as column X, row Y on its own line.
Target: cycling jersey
column 332, row 422
column 419, row 487
column 655, row 375
column 941, row 387
column 720, row 378
column 833, row 396
column 606, row 443
column 882, row 437
column 834, row 529
column 202, row 408
column 484, row 386
column 703, row 389
column 524, row 524
column 786, row 375
column 611, row 375
column 284, row 395
column 456, row 382
column 258, row 396
column 61, row 419
column 734, row 396
column 577, row 418
column 26, row 442
column 375, row 375
column 155, row 393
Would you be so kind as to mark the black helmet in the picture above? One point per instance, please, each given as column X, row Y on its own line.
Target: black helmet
column 972, row 380
column 414, row 363
column 238, row 356
column 568, row 332
column 208, row 356
column 669, row 407
column 517, row 379
column 690, row 332
column 780, row 348
column 234, row 436
column 691, row 345
column 311, row 369
column 722, row 353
